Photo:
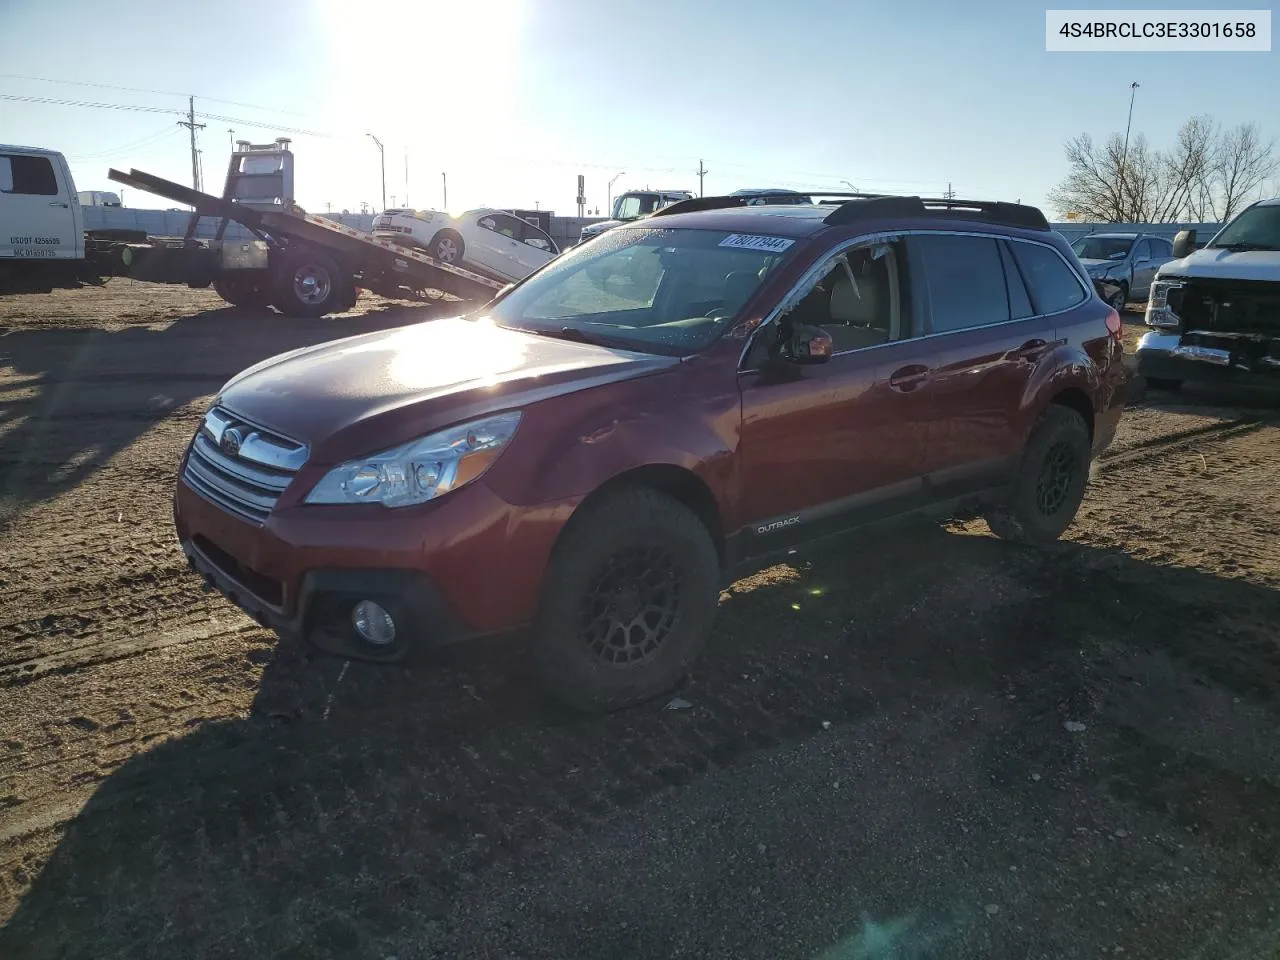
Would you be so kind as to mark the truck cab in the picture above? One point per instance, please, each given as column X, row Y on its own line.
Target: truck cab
column 39, row 209
column 633, row 205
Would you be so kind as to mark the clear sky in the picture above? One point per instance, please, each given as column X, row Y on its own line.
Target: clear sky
column 514, row 98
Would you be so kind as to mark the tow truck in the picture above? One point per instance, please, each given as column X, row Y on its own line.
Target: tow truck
column 302, row 264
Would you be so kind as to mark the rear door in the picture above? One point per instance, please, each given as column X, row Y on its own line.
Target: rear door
column 985, row 346
column 36, row 216
column 535, row 247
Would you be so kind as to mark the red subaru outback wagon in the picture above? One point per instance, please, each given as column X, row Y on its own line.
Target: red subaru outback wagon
column 593, row 453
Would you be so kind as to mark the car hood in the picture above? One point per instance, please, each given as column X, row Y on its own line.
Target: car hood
column 393, row 385
column 1226, row 265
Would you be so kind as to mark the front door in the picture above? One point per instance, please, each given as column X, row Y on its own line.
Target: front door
column 36, row 219
column 1144, row 269
column 833, row 444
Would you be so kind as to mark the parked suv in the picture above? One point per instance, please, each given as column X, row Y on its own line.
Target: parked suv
column 594, row 453
column 1125, row 262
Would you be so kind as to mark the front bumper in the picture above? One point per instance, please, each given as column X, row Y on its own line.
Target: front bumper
column 1200, row 356
column 467, row 565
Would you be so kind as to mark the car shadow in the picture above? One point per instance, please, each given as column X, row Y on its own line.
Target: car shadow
column 75, row 397
column 443, row 809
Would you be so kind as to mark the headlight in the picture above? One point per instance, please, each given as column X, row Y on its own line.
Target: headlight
column 1159, row 313
column 421, row 470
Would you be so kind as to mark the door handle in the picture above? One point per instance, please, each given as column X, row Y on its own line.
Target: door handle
column 906, row 379
column 57, row 203
column 1031, row 350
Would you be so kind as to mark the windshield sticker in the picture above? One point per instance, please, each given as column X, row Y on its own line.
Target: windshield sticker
column 744, row 241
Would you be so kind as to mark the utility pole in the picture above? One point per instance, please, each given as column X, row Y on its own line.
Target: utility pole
column 444, row 184
column 1124, row 156
column 231, row 137
column 383, row 155
column 950, row 194
column 850, row 186
column 190, row 124
column 702, row 172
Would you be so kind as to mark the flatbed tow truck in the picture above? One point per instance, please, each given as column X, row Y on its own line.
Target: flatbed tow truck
column 303, row 265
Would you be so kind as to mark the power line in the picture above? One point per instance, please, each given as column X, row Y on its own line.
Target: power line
column 116, row 151
column 164, row 93
column 60, row 101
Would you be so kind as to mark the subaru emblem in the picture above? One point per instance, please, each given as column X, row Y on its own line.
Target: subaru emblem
column 230, row 443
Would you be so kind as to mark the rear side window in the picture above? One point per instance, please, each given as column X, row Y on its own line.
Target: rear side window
column 1053, row 285
column 27, row 175
column 1019, row 302
column 966, row 281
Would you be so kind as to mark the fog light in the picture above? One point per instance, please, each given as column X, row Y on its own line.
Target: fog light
column 373, row 623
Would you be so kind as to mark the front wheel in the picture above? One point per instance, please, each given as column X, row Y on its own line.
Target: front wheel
column 1119, row 299
column 628, row 601
column 1049, row 482
column 240, row 292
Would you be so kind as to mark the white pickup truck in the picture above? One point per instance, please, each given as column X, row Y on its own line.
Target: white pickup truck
column 43, row 243
column 1215, row 312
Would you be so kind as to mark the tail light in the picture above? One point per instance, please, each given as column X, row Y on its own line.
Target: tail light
column 1115, row 327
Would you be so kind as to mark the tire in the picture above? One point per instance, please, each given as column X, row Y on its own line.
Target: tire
column 239, row 292
column 1163, row 383
column 1119, row 299
column 309, row 283
column 1049, row 482
column 447, row 247
column 601, row 561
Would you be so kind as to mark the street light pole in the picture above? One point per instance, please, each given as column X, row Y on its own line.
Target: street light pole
column 382, row 154
column 1124, row 155
column 609, row 202
column 444, row 185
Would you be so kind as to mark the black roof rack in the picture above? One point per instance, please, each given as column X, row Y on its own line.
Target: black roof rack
column 852, row 207
column 985, row 211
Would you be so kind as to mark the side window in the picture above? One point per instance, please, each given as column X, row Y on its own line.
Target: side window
column 535, row 238
column 1143, row 251
column 488, row 223
column 1019, row 301
column 27, row 175
column 966, row 281
column 1054, row 285
column 856, row 296
column 1161, row 249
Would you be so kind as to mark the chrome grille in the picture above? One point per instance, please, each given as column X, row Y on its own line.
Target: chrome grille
column 240, row 466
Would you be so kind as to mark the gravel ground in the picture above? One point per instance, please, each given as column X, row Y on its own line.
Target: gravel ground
column 920, row 746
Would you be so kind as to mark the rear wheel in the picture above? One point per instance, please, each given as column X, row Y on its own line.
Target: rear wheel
column 628, row 602
column 309, row 283
column 1049, row 482
column 447, row 247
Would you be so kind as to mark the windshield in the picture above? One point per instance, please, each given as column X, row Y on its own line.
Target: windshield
column 1102, row 248
column 1258, row 228
column 653, row 290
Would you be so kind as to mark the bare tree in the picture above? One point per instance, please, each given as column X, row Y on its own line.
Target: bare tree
column 1243, row 163
column 1204, row 175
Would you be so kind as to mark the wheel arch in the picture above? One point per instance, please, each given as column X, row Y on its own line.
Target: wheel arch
column 677, row 482
column 1073, row 398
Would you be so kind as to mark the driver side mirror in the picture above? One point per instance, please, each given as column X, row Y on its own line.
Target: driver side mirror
column 1184, row 241
column 802, row 343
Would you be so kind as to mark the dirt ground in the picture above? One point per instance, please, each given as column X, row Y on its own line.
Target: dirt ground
column 926, row 745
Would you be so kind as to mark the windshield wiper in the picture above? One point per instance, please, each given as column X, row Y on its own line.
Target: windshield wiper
column 1242, row 247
